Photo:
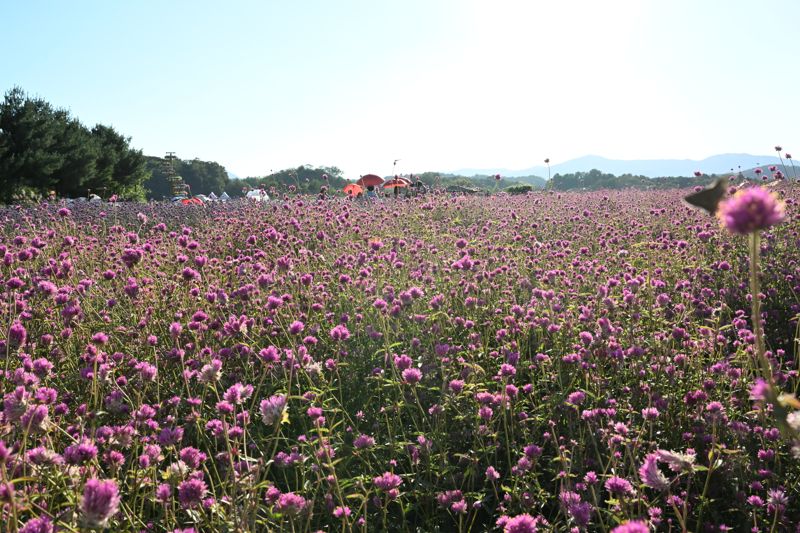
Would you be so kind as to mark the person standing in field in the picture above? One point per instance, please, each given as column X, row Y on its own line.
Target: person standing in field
column 371, row 194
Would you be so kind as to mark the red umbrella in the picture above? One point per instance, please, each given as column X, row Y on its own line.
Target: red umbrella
column 369, row 179
column 352, row 189
column 396, row 182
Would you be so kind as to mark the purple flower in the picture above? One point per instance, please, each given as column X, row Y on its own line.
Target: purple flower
column 412, row 375
column 650, row 475
column 163, row 492
column 340, row 333
column 619, row 486
column 523, row 523
column 635, row 526
column 752, row 209
column 99, row 503
column 81, row 452
column 272, row 409
column 364, row 441
column 342, row 512
column 678, row 462
column 387, row 481
column 238, row 393
column 37, row 525
column 296, row 327
column 191, row 492
column 17, row 334
column 290, row 503
column 192, row 456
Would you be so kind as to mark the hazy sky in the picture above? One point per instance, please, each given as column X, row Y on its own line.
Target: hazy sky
column 441, row 85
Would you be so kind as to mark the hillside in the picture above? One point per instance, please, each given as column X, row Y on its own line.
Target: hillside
column 653, row 168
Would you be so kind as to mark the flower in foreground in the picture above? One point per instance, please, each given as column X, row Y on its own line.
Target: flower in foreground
column 523, row 523
column 191, row 492
column 37, row 525
column 273, row 409
column 99, row 503
column 634, row 526
column 651, row 476
column 752, row 209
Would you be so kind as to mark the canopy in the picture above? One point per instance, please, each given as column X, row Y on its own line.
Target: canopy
column 224, row 196
column 369, row 179
column 396, row 182
column 352, row 189
column 212, row 196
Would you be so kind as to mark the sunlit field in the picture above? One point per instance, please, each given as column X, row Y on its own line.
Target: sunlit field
column 551, row 362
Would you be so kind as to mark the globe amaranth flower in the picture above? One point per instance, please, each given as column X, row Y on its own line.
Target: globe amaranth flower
column 634, row 526
column 523, row 523
column 752, row 209
column 99, row 503
column 619, row 486
column 273, row 409
column 387, row 481
column 37, row 525
column 191, row 492
column 651, row 476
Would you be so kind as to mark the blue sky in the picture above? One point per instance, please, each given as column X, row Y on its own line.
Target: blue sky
column 440, row 84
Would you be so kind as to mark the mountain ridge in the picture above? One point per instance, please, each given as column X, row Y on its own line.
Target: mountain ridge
column 653, row 168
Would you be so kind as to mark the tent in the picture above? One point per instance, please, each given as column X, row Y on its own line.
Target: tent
column 213, row 196
column 259, row 195
column 224, row 196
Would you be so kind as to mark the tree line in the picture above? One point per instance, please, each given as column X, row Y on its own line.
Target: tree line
column 595, row 180
column 44, row 151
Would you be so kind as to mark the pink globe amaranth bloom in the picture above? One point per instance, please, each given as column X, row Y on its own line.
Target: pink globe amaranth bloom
column 272, row 409
column 191, row 492
column 99, row 503
column 387, row 481
column 752, row 209
column 17, row 334
column 634, row 526
column 619, row 486
column 340, row 333
column 523, row 523
column 290, row 503
column 412, row 375
column 37, row 525
column 650, row 475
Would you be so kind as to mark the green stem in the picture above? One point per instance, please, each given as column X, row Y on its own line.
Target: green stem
column 755, row 305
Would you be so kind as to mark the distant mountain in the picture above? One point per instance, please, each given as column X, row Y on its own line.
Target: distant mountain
column 717, row 164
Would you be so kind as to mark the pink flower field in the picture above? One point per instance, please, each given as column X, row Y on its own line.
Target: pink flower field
column 546, row 362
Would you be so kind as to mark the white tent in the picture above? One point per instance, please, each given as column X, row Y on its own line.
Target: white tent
column 212, row 196
column 224, row 196
column 259, row 195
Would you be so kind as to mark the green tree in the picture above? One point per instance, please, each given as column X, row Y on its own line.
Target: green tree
column 44, row 149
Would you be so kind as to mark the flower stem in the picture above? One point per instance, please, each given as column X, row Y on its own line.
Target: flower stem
column 755, row 305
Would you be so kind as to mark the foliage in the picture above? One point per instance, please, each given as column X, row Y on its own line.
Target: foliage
column 594, row 180
column 203, row 177
column 519, row 189
column 44, row 149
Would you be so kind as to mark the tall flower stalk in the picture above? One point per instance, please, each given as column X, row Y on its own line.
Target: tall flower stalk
column 754, row 240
